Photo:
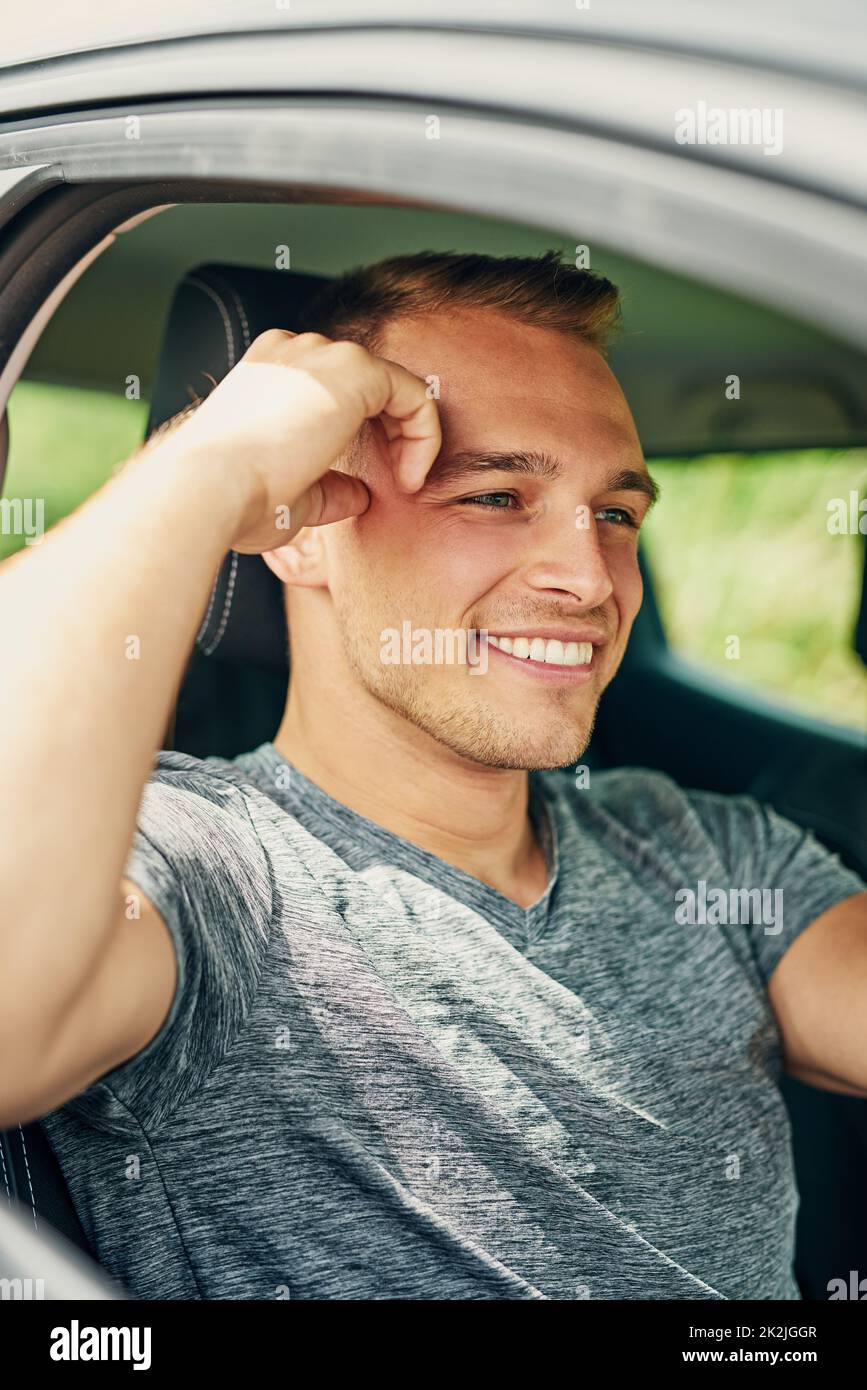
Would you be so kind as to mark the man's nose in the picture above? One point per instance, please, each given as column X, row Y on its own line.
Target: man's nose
column 570, row 558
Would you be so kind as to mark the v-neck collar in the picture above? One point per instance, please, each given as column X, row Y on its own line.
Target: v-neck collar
column 344, row 829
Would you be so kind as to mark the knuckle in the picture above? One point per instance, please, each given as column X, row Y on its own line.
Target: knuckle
column 311, row 339
column 350, row 351
column 272, row 338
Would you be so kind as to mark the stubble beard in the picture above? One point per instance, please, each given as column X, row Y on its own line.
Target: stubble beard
column 442, row 703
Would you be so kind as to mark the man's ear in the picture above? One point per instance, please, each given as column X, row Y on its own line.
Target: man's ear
column 301, row 562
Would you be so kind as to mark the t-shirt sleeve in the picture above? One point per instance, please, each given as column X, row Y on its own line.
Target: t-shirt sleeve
column 798, row 877
column 197, row 856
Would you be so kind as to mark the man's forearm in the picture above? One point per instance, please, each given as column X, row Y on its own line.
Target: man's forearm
column 96, row 624
column 95, row 627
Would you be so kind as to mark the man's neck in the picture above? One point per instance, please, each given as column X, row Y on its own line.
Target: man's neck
column 378, row 764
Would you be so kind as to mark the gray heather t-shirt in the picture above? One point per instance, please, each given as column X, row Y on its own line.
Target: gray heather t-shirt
column 381, row 1078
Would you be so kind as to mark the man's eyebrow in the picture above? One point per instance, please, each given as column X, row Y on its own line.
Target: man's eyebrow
column 634, row 480
column 531, row 464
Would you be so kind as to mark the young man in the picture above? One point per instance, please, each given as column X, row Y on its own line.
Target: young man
column 369, row 1011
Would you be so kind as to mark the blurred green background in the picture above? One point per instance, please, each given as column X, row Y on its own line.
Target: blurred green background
column 738, row 545
column 64, row 442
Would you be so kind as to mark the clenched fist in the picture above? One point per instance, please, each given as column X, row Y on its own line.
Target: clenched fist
column 286, row 411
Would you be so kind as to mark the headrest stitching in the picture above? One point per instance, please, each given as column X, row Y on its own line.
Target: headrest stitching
column 207, row 618
column 226, row 606
column 224, row 314
column 245, row 327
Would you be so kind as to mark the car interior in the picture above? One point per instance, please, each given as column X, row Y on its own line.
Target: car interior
column 178, row 297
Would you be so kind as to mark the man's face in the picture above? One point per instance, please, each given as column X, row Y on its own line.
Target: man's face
column 487, row 545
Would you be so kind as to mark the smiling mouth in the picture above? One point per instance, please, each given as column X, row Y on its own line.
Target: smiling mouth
column 545, row 651
column 549, row 660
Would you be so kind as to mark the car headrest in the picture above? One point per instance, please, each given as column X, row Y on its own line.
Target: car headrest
column 216, row 313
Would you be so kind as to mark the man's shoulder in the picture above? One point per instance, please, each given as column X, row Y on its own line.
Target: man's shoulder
column 196, row 808
column 218, row 780
column 189, row 802
column 637, row 795
column 643, row 805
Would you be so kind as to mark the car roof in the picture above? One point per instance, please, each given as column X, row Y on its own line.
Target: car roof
column 796, row 35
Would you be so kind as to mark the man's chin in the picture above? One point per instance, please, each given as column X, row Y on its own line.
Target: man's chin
column 519, row 750
column 493, row 734
column 532, row 762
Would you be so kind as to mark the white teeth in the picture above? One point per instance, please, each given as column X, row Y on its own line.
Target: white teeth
column 538, row 649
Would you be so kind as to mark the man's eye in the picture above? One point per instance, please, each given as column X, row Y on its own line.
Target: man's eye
column 484, row 500
column 625, row 518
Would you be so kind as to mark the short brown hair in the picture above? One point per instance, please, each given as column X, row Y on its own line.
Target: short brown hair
column 542, row 291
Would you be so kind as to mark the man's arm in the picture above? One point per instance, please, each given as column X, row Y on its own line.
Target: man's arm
column 818, row 992
column 116, row 1012
column 83, row 712
column 95, row 627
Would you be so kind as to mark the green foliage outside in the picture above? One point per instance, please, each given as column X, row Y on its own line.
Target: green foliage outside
column 739, row 546
column 64, row 443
